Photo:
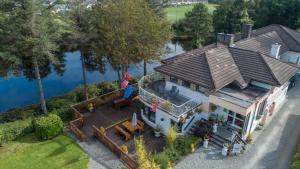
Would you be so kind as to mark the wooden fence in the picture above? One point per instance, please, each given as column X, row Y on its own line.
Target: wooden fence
column 115, row 148
column 100, row 100
column 77, row 124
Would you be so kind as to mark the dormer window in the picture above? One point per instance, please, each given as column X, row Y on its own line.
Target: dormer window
column 200, row 89
column 173, row 79
column 186, row 84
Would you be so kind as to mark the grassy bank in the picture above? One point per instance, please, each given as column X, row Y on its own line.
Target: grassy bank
column 176, row 13
column 30, row 153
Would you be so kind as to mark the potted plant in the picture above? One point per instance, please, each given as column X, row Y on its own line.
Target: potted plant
column 215, row 127
column 91, row 107
column 205, row 142
column 199, row 110
column 225, row 149
column 157, row 131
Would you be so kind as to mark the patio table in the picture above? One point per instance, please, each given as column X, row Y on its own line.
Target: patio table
column 128, row 126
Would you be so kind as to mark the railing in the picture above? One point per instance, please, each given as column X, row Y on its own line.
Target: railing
column 165, row 105
column 115, row 148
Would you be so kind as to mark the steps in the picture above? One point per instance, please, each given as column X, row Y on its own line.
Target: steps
column 218, row 140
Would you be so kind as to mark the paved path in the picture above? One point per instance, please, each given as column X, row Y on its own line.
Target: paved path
column 272, row 149
column 100, row 156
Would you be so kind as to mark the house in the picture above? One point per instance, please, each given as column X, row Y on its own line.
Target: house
column 241, row 82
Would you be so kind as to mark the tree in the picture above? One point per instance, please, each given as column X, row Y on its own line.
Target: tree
column 143, row 157
column 29, row 38
column 197, row 24
column 277, row 12
column 81, row 35
column 230, row 16
column 158, row 6
column 131, row 32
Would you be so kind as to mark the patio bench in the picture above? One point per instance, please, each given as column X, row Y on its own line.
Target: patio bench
column 122, row 132
column 121, row 103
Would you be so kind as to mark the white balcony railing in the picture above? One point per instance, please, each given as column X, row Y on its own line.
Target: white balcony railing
column 164, row 104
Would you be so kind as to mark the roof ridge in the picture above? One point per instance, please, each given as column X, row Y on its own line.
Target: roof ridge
column 242, row 49
column 236, row 65
column 209, row 69
column 270, row 70
column 187, row 53
column 289, row 33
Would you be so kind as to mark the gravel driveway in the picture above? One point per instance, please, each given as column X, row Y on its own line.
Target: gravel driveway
column 272, row 149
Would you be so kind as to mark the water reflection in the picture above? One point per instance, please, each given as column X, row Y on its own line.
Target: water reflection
column 20, row 91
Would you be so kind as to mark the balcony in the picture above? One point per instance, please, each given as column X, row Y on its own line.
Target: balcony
column 171, row 97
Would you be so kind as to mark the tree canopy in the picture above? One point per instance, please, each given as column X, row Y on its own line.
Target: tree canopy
column 284, row 12
column 197, row 24
column 130, row 31
column 230, row 15
column 28, row 38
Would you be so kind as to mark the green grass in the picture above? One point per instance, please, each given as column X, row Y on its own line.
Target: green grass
column 176, row 13
column 30, row 153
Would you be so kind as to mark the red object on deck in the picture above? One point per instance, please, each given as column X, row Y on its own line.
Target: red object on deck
column 127, row 76
column 154, row 106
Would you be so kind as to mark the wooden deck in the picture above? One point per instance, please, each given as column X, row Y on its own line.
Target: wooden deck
column 152, row 143
column 106, row 116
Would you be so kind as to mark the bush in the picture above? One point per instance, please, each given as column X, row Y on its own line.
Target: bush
column 11, row 131
column 162, row 159
column 249, row 138
column 171, row 135
column 61, row 107
column 47, row 127
column 296, row 160
column 183, row 144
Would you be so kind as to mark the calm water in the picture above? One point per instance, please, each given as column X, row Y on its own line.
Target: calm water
column 19, row 91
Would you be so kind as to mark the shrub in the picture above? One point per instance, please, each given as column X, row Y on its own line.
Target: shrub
column 296, row 160
column 47, row 127
column 183, row 144
column 61, row 107
column 11, row 131
column 171, row 136
column 94, row 91
column 249, row 138
column 161, row 159
column 144, row 159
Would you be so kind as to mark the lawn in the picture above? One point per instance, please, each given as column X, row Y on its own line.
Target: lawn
column 30, row 153
column 176, row 13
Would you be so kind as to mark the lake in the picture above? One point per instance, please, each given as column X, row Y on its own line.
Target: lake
column 19, row 91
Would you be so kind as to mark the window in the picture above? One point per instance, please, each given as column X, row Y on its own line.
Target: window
column 200, row 89
column 149, row 114
column 186, row 84
column 173, row 79
column 261, row 108
column 235, row 119
column 178, row 126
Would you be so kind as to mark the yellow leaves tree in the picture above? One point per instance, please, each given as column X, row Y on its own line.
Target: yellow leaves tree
column 144, row 159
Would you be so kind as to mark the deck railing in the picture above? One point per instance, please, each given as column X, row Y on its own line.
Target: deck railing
column 165, row 105
column 115, row 148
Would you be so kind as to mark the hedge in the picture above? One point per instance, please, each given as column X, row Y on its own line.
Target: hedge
column 296, row 160
column 47, row 127
column 11, row 131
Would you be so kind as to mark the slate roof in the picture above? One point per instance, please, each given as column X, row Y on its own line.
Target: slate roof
column 262, row 39
column 215, row 67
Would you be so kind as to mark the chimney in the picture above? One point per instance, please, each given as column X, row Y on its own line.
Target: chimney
column 247, row 31
column 227, row 39
column 275, row 50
